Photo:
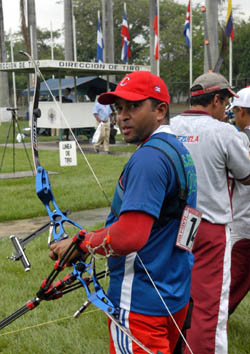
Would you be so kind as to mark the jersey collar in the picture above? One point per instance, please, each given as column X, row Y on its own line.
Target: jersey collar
column 196, row 112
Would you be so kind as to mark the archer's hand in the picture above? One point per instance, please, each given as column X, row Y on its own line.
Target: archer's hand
column 58, row 249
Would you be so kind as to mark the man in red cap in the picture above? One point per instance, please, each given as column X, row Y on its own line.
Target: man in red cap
column 149, row 254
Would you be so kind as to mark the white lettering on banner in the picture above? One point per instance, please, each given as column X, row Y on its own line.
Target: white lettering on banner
column 100, row 66
column 67, row 153
column 71, row 65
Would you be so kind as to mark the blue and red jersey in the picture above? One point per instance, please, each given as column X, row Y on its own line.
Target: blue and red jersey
column 148, row 180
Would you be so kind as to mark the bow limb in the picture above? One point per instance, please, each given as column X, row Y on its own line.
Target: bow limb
column 35, row 113
column 43, row 188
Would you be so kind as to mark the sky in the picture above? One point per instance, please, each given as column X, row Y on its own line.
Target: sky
column 50, row 12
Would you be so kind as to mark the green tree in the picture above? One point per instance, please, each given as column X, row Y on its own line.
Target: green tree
column 44, row 50
column 174, row 53
column 241, row 49
column 173, row 50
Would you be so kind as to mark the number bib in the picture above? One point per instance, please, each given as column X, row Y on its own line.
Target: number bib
column 190, row 222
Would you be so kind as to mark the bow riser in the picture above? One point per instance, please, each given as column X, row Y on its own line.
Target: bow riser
column 45, row 194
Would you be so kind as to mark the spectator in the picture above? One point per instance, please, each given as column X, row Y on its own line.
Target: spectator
column 240, row 227
column 216, row 148
column 103, row 116
column 67, row 98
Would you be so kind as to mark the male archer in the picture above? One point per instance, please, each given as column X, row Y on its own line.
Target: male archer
column 149, row 261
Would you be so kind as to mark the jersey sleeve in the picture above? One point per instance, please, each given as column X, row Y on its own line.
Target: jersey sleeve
column 238, row 158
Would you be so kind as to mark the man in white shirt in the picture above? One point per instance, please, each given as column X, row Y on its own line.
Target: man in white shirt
column 103, row 116
column 216, row 147
column 240, row 235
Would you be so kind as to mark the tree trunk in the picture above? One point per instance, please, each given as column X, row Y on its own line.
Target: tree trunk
column 68, row 30
column 212, row 26
column 23, row 25
column 4, row 92
column 152, row 5
column 108, row 30
column 108, row 36
column 32, row 28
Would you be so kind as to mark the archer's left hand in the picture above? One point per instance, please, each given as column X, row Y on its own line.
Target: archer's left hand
column 58, row 249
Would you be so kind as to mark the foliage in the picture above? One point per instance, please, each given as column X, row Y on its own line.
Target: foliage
column 173, row 50
column 44, row 50
column 86, row 22
column 241, row 48
column 174, row 54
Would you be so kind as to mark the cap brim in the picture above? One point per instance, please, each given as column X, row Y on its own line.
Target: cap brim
column 110, row 97
column 234, row 94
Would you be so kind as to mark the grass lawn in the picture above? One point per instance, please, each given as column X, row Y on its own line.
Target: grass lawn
column 74, row 188
column 51, row 328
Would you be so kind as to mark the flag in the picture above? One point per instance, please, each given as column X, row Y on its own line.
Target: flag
column 125, row 38
column 229, row 21
column 100, row 42
column 187, row 26
column 156, row 31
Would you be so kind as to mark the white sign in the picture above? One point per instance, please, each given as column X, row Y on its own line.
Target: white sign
column 67, row 153
column 72, row 66
column 61, row 116
column 5, row 116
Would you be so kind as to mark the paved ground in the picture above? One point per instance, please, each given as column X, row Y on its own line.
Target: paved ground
column 22, row 228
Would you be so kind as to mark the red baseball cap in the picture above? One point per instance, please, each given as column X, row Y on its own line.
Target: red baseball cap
column 137, row 86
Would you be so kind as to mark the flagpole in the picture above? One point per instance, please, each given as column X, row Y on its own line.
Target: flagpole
column 191, row 48
column 230, row 33
column 158, row 26
column 13, row 73
column 52, row 45
column 125, row 11
column 74, row 37
column 230, row 61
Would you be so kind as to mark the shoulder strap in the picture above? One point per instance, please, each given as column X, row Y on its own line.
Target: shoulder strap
column 176, row 161
column 172, row 206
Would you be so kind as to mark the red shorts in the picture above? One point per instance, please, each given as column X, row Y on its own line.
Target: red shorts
column 154, row 332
